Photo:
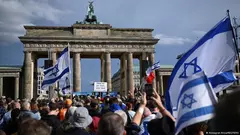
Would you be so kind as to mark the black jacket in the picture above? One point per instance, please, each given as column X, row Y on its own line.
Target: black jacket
column 52, row 121
column 72, row 131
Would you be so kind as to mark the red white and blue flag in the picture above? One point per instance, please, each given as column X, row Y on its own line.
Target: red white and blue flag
column 150, row 72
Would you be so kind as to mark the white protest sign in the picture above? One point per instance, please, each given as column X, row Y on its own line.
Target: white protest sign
column 100, row 86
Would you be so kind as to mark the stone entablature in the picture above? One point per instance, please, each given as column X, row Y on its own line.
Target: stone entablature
column 87, row 30
column 10, row 71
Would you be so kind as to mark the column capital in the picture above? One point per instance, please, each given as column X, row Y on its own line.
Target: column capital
column 54, row 51
column 76, row 52
column 27, row 51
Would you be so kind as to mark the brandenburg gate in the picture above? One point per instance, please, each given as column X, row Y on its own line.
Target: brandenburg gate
column 87, row 39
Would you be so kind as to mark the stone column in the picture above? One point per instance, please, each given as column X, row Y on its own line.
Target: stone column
column 54, row 57
column 130, row 78
column 161, row 85
column 35, row 77
column 27, row 88
column 16, row 91
column 158, row 81
column 102, row 68
column 1, row 86
column 151, row 59
column 142, row 57
column 53, row 87
column 123, row 75
column 108, row 71
column 76, row 72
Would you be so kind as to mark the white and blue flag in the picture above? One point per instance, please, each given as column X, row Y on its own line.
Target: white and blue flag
column 215, row 54
column 155, row 66
column 58, row 71
column 66, row 87
column 195, row 102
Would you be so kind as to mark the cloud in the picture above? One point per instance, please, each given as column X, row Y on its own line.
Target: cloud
column 199, row 33
column 16, row 13
column 172, row 40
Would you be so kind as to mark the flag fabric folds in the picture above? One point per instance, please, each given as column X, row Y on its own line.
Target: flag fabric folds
column 66, row 87
column 215, row 54
column 195, row 102
column 58, row 71
column 150, row 75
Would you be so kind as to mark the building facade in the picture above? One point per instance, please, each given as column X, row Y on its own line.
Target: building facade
column 11, row 81
column 116, row 82
column 162, row 76
column 40, row 77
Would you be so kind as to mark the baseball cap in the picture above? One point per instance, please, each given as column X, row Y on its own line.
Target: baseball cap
column 68, row 102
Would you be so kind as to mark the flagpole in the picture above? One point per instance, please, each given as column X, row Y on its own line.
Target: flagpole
column 70, row 73
column 235, row 40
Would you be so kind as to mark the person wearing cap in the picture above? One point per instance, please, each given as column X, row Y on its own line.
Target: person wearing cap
column 81, row 120
column 62, row 112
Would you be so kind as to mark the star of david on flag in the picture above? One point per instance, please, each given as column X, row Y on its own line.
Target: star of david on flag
column 55, row 70
column 192, row 64
column 188, row 100
column 58, row 71
column 214, row 54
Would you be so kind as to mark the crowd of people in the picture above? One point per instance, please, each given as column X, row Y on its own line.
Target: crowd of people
column 95, row 115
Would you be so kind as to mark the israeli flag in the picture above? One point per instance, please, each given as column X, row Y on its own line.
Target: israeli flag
column 215, row 54
column 155, row 66
column 58, row 71
column 195, row 102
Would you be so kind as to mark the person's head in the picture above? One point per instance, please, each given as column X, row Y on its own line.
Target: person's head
column 16, row 105
column 81, row 117
column 123, row 115
column 9, row 100
column 68, row 103
column 227, row 113
column 111, row 124
column 15, row 114
column 152, row 106
column 34, row 106
column 129, row 106
column 25, row 105
column 53, row 108
column 87, row 101
column 34, row 127
column 163, row 126
column 94, row 104
column 114, row 100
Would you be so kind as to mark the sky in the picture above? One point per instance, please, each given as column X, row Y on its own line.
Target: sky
column 178, row 24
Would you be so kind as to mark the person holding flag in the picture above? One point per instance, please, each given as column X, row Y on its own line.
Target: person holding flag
column 207, row 68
